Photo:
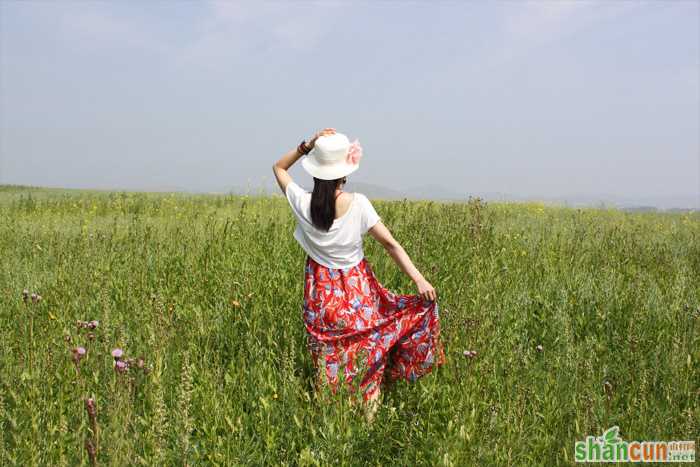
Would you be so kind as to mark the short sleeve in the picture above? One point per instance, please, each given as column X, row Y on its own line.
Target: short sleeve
column 369, row 215
column 295, row 196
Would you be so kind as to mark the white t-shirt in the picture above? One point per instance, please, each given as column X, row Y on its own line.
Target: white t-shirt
column 341, row 246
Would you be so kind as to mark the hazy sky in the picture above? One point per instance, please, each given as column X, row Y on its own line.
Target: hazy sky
column 533, row 98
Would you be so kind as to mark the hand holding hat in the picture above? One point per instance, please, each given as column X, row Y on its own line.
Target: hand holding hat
column 324, row 132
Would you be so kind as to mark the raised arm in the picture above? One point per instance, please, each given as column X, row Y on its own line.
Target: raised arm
column 380, row 233
column 281, row 167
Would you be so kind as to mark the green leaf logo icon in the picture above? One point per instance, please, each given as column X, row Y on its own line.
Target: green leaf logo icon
column 611, row 435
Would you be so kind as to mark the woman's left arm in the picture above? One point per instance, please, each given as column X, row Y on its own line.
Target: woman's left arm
column 281, row 167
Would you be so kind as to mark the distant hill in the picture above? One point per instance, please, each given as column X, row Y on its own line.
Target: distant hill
column 375, row 191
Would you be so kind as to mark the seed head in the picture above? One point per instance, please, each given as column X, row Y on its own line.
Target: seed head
column 608, row 389
column 539, row 348
column 91, row 450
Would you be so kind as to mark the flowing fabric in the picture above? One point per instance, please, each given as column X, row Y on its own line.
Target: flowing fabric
column 364, row 334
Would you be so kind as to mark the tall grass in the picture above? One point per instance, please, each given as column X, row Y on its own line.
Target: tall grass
column 581, row 319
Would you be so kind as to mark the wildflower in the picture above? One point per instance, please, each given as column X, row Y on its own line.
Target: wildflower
column 77, row 354
column 121, row 366
column 470, row 353
column 539, row 348
column 25, row 295
column 91, row 450
column 93, row 324
column 34, row 297
column 117, row 353
column 91, row 407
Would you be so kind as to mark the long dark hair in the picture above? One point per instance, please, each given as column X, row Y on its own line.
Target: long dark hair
column 323, row 202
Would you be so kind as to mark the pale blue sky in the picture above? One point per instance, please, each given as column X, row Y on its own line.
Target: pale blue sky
column 547, row 98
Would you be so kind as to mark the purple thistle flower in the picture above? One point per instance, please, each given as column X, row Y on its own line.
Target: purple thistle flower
column 121, row 366
column 117, row 353
column 77, row 354
column 93, row 324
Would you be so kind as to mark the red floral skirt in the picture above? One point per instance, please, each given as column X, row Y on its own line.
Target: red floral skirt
column 361, row 332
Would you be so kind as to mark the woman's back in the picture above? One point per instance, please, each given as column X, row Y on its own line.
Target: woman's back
column 356, row 328
column 341, row 246
column 343, row 202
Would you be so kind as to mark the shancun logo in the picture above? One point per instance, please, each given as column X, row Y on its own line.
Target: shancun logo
column 609, row 447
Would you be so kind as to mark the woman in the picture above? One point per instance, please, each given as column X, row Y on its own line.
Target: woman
column 356, row 329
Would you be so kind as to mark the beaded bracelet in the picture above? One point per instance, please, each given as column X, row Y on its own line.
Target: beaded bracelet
column 303, row 148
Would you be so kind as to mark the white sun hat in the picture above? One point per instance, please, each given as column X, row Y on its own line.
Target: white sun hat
column 333, row 157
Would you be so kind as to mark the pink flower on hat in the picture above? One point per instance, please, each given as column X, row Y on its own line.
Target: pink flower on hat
column 355, row 153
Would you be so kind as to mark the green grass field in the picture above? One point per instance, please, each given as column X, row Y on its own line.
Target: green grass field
column 208, row 289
